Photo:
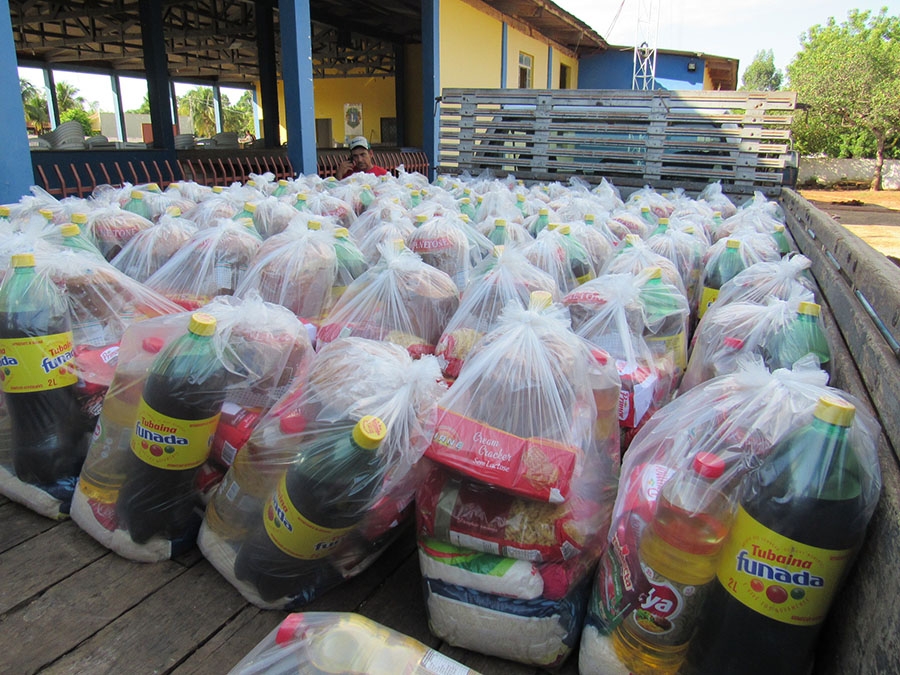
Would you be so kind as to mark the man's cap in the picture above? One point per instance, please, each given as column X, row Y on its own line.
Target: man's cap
column 359, row 142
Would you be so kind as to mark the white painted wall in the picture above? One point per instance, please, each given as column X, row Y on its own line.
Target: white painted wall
column 834, row 170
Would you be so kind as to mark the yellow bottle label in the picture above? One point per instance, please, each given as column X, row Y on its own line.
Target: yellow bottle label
column 778, row 577
column 674, row 344
column 169, row 443
column 39, row 363
column 294, row 533
column 706, row 299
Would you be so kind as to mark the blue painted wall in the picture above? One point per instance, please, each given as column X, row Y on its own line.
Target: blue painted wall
column 16, row 176
column 613, row 69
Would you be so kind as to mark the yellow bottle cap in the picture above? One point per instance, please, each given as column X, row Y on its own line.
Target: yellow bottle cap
column 663, row 221
column 399, row 244
column 70, row 230
column 466, row 200
column 589, row 218
column 47, row 213
column 369, row 432
column 732, row 243
column 520, row 198
column 314, row 225
column 564, row 229
column 342, row 233
column 153, row 187
column 645, row 209
column 463, row 217
column 250, row 206
column 835, row 410
column 301, row 197
column 282, row 182
column 23, row 260
column 809, row 309
column 79, row 218
column 499, row 222
column 217, row 189
column 137, row 194
column 202, row 324
column 421, row 218
column 4, row 212
column 544, row 212
column 498, row 250
column 654, row 272
column 540, row 300
column 779, row 228
column 631, row 239
column 173, row 211
column 247, row 222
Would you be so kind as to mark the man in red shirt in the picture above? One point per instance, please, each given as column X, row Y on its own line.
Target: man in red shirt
column 361, row 159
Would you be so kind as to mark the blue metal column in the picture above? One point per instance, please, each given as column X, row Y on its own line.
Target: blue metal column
column 504, row 63
column 431, row 80
column 157, row 72
column 549, row 67
column 16, row 174
column 296, row 66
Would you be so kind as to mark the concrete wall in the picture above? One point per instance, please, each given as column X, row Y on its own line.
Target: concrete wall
column 470, row 47
column 835, row 170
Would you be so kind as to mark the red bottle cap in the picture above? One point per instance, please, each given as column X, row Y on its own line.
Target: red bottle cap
column 152, row 344
column 708, row 465
column 292, row 423
column 734, row 343
column 287, row 631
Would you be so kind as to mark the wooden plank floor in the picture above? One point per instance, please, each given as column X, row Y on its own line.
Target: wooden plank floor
column 68, row 605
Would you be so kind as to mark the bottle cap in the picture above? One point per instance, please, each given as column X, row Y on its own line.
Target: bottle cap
column 137, row 194
column 733, row 243
column 247, row 222
column 835, row 410
column 301, row 197
column 369, row 432
column 708, row 465
column 4, row 212
column 466, row 200
column 173, row 211
column 499, row 222
column 631, row 239
column 292, row 423
column 589, row 218
column 654, row 272
column 47, row 213
column 341, row 233
column 152, row 344
column 217, row 189
column 399, row 244
column 79, row 218
column 779, row 228
column 250, row 206
column 314, row 225
column 23, row 260
column 809, row 309
column 645, row 209
column 463, row 217
column 552, row 226
column 540, row 300
column 421, row 218
column 663, row 221
column 202, row 324
column 152, row 187
column 70, row 230
column 564, row 229
column 717, row 214
column 282, row 182
column 544, row 212
column 520, row 198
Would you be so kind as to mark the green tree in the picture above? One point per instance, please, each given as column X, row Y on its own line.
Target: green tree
column 848, row 75
column 761, row 74
column 199, row 105
column 82, row 116
column 238, row 117
column 36, row 112
column 143, row 108
column 68, row 98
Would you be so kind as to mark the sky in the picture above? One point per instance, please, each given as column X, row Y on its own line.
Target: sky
column 732, row 28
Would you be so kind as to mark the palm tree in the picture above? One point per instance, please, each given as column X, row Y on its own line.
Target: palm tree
column 68, row 97
column 36, row 112
column 238, row 117
column 27, row 88
column 199, row 105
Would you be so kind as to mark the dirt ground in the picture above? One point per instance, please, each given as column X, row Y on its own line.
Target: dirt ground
column 872, row 216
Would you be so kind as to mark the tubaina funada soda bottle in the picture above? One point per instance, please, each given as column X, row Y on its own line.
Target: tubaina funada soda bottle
column 38, row 377
column 176, row 420
column 679, row 552
column 802, row 516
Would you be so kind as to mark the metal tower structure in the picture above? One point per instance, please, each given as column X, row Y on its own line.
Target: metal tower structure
column 644, row 74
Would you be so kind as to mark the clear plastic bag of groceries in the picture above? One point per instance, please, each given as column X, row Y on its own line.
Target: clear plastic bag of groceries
column 596, row 243
column 506, row 275
column 728, row 332
column 101, row 302
column 720, row 430
column 300, row 460
column 326, row 204
column 139, row 492
column 152, row 248
column 685, row 250
column 211, row 210
column 659, row 205
column 785, row 279
column 341, row 642
column 522, row 415
column 295, row 269
column 272, row 216
column 111, row 227
column 441, row 243
column 400, row 300
column 160, row 203
column 191, row 190
column 713, row 195
column 212, row 263
column 758, row 215
column 633, row 255
column 562, row 257
column 385, row 233
column 609, row 312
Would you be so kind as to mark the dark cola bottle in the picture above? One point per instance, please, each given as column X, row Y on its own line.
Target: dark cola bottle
column 38, row 376
column 175, row 423
column 318, row 501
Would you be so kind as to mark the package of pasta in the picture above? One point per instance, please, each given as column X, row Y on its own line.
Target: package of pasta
column 521, row 414
column 352, row 503
column 610, row 313
column 152, row 248
column 212, row 263
column 441, row 243
column 507, row 275
column 720, row 430
column 138, row 492
column 111, row 227
column 401, row 300
column 295, row 269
